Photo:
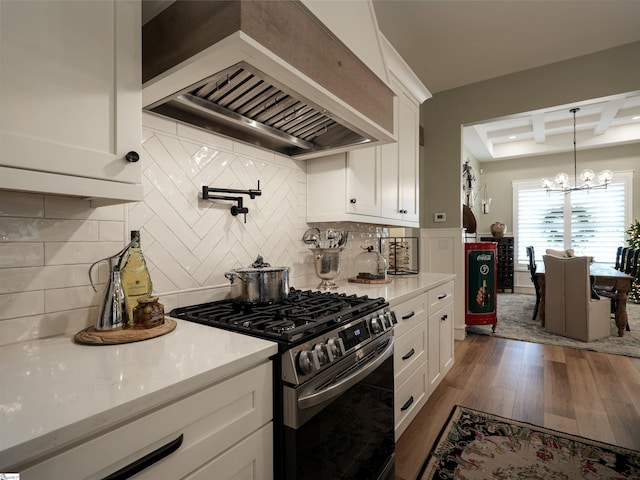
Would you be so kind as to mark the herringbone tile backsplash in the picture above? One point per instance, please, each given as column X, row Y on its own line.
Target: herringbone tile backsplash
column 190, row 242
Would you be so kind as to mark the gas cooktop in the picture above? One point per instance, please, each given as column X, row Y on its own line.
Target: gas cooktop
column 302, row 315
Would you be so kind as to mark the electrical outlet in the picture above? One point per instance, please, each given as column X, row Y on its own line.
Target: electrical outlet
column 439, row 217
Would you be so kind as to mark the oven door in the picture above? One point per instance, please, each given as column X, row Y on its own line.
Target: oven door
column 339, row 425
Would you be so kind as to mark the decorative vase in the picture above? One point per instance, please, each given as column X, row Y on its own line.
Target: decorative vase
column 498, row 229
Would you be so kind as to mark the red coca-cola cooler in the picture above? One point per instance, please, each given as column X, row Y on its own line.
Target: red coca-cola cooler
column 481, row 284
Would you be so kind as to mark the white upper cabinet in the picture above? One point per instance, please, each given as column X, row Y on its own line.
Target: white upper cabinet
column 400, row 164
column 70, row 98
column 345, row 187
column 378, row 184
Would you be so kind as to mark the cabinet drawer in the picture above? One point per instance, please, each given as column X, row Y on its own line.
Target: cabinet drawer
column 251, row 459
column 409, row 352
column 440, row 296
column 410, row 313
column 211, row 421
column 409, row 398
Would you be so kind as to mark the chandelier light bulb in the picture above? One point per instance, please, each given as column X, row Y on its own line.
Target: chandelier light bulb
column 605, row 177
column 587, row 175
column 562, row 179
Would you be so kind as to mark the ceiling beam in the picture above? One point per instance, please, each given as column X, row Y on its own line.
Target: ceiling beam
column 607, row 116
column 537, row 121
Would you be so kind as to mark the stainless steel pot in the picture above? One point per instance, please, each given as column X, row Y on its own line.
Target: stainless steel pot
column 259, row 283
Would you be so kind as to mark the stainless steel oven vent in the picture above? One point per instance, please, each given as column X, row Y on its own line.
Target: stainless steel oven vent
column 243, row 103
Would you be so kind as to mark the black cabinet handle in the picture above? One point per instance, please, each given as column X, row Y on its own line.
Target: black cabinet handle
column 353, row 200
column 407, row 405
column 146, row 461
column 409, row 354
column 444, row 317
column 408, row 315
column 441, row 296
column 132, row 157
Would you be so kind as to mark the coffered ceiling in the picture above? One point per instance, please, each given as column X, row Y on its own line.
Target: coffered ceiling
column 599, row 123
column 452, row 43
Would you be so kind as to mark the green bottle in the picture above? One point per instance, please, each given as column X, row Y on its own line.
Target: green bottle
column 135, row 278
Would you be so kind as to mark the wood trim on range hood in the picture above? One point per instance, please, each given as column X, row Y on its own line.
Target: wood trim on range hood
column 190, row 41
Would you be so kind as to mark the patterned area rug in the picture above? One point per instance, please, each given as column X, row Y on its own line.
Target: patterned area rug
column 514, row 321
column 474, row 445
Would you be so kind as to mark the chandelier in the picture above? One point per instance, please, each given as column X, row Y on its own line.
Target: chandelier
column 562, row 182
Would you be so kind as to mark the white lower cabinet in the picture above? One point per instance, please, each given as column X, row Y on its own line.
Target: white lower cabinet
column 440, row 345
column 225, row 428
column 423, row 351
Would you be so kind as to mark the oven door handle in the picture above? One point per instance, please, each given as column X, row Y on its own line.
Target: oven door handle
column 317, row 398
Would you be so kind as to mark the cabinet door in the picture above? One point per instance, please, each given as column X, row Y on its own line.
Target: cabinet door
column 408, row 158
column 440, row 345
column 363, row 181
column 70, row 96
column 400, row 175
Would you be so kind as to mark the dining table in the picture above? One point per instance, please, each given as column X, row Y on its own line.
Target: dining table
column 603, row 274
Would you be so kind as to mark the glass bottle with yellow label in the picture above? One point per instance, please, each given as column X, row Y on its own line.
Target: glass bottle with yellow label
column 136, row 281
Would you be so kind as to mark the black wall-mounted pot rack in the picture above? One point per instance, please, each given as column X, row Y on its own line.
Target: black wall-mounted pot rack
column 235, row 209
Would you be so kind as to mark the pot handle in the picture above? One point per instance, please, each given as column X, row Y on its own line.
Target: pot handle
column 232, row 276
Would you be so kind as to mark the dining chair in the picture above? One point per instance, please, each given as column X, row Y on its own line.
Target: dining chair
column 623, row 258
column 631, row 266
column 570, row 309
column 618, row 258
column 532, row 271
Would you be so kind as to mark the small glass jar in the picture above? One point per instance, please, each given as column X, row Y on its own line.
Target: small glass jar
column 370, row 265
column 148, row 313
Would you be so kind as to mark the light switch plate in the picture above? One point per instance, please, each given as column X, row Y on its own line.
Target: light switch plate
column 439, row 217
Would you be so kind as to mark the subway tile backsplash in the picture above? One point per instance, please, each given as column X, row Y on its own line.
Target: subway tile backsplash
column 47, row 243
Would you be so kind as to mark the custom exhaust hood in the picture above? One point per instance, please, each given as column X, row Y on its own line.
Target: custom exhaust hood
column 266, row 73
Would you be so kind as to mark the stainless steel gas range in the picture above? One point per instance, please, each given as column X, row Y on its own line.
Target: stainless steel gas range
column 333, row 380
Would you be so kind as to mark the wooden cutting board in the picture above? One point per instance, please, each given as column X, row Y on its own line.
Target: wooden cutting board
column 91, row 336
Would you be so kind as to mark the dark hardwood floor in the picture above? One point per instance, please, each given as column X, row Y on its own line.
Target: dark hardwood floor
column 591, row 394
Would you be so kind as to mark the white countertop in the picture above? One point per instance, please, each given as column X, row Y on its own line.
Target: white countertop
column 400, row 289
column 54, row 391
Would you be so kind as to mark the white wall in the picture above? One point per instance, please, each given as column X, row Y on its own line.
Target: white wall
column 47, row 243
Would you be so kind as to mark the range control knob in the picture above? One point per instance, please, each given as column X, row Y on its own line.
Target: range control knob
column 376, row 325
column 323, row 354
column 307, row 362
column 336, row 347
column 386, row 324
column 389, row 320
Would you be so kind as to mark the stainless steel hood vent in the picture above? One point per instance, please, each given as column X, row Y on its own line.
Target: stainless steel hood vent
column 246, row 104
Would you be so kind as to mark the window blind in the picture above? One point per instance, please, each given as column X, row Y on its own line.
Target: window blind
column 592, row 222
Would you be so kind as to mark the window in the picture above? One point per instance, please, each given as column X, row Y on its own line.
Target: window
column 592, row 222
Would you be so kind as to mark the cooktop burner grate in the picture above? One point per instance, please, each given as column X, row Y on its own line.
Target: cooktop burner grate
column 303, row 314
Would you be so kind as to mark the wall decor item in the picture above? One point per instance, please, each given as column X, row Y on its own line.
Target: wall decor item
column 468, row 178
column 468, row 220
column 401, row 253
